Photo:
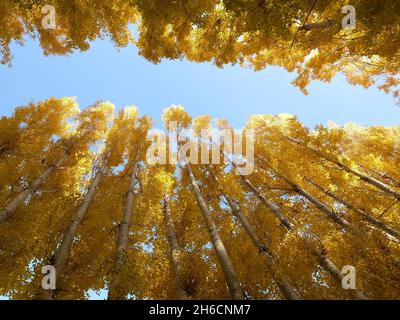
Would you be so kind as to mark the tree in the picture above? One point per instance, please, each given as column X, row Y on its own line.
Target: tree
column 99, row 169
column 176, row 113
column 175, row 250
column 108, row 219
column 45, row 123
column 306, row 37
column 115, row 291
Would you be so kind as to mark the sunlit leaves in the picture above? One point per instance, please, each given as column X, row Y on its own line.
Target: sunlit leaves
column 38, row 134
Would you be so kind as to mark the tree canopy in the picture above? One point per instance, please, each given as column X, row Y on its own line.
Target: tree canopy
column 77, row 191
column 303, row 36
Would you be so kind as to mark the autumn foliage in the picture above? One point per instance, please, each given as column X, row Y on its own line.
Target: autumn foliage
column 302, row 36
column 77, row 192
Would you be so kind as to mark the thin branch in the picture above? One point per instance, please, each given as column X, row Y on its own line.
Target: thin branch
column 115, row 227
column 388, row 208
column 304, row 23
column 319, row 25
column 3, row 147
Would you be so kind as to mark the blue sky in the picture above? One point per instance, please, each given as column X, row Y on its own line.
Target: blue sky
column 124, row 78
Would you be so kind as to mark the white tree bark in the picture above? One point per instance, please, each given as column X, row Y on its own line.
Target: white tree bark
column 378, row 184
column 284, row 286
column 12, row 205
column 68, row 237
column 175, row 250
column 270, row 206
column 115, row 291
column 223, row 257
column 380, row 224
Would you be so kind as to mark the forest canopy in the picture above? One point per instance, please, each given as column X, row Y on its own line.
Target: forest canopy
column 307, row 37
column 77, row 192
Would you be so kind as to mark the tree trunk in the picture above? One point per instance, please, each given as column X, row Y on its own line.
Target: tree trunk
column 321, row 206
column 68, row 237
column 381, row 225
column 329, row 266
column 270, row 206
column 175, row 251
column 116, row 291
column 393, row 182
column 376, row 183
column 284, row 286
column 10, row 208
column 222, row 254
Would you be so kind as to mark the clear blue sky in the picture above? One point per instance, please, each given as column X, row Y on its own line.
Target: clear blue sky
column 124, row 78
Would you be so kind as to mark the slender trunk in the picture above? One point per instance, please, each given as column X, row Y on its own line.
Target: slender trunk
column 320, row 205
column 12, row 205
column 381, row 225
column 116, row 290
column 246, row 226
column 175, row 250
column 393, row 182
column 222, row 254
column 284, row 286
column 285, row 222
column 329, row 266
column 270, row 206
column 376, row 183
column 68, row 237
